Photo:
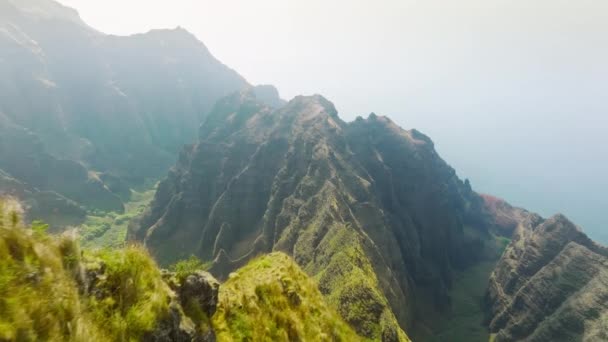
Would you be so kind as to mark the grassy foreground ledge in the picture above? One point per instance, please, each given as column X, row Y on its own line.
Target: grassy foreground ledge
column 52, row 290
column 272, row 299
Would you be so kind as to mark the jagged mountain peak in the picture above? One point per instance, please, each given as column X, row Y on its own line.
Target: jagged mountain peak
column 304, row 112
column 300, row 180
column 560, row 223
column 555, row 232
column 246, row 114
column 383, row 125
column 323, row 104
column 178, row 36
column 269, row 95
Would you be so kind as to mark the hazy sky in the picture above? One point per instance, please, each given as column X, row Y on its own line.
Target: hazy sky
column 513, row 92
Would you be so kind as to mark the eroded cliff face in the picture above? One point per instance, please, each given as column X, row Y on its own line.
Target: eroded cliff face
column 550, row 285
column 370, row 210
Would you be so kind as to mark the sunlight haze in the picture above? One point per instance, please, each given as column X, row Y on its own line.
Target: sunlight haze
column 513, row 93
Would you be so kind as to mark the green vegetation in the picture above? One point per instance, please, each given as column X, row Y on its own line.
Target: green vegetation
column 349, row 281
column 39, row 297
column 464, row 322
column 51, row 290
column 132, row 297
column 502, row 243
column 184, row 267
column 43, row 296
column 109, row 229
column 272, row 299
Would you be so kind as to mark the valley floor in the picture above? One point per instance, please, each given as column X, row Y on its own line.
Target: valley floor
column 109, row 229
column 464, row 322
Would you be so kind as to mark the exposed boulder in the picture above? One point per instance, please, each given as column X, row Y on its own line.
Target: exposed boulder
column 176, row 327
column 188, row 295
column 195, row 288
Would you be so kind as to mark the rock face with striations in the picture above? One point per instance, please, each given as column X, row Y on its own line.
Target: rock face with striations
column 550, row 285
column 370, row 210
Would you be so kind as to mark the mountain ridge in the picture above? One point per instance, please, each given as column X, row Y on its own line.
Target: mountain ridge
column 298, row 179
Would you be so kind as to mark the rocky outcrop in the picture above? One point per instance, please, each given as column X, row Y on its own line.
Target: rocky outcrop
column 199, row 288
column 500, row 216
column 550, row 285
column 196, row 292
column 176, row 328
column 367, row 208
column 189, row 295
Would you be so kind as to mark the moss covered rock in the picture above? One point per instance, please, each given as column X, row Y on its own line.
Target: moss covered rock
column 272, row 299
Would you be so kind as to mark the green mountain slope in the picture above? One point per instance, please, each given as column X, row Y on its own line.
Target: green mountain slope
column 272, row 299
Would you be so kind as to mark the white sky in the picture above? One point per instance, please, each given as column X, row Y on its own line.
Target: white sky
column 513, row 92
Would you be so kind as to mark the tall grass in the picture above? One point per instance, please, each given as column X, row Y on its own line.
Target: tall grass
column 42, row 292
column 39, row 299
column 272, row 299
